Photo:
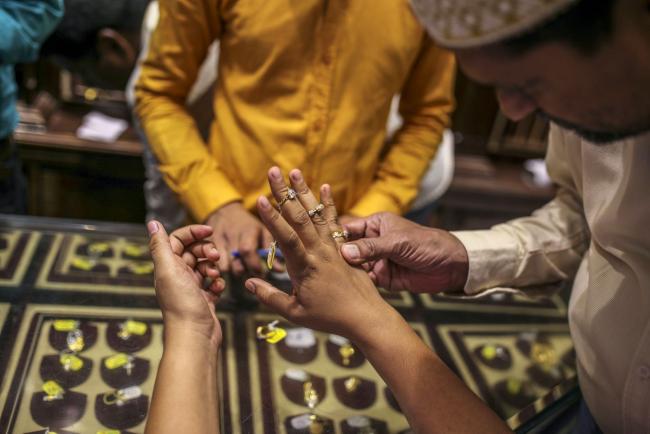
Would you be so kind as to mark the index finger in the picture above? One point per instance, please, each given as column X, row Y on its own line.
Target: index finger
column 364, row 227
column 184, row 237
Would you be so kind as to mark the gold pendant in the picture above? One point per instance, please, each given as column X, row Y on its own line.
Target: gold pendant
column 352, row 384
column 310, row 395
column 270, row 258
column 346, row 351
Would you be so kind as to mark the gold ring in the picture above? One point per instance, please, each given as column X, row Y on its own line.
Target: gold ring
column 317, row 210
column 291, row 195
column 340, row 234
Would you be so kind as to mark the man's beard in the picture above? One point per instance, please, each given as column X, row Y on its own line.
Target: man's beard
column 596, row 137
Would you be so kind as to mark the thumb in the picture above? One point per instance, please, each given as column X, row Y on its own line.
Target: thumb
column 270, row 296
column 159, row 245
column 368, row 249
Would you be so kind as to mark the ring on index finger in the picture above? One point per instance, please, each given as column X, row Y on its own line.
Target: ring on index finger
column 291, row 195
column 317, row 210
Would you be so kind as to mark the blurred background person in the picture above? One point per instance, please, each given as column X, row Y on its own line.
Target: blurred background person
column 99, row 40
column 24, row 25
column 311, row 87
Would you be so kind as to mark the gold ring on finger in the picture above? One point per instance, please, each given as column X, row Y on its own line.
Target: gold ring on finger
column 319, row 208
column 291, row 195
column 340, row 234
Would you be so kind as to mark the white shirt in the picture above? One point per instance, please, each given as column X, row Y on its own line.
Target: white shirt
column 597, row 230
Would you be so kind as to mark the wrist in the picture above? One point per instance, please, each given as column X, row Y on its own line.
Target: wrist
column 459, row 266
column 177, row 333
column 225, row 209
column 377, row 326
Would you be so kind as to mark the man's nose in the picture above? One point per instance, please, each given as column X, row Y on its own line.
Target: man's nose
column 515, row 105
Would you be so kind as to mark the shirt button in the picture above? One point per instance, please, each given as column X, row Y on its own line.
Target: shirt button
column 644, row 372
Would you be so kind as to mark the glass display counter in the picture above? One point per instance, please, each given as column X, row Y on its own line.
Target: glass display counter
column 82, row 337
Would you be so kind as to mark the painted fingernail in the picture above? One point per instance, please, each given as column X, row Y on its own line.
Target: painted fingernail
column 351, row 251
column 264, row 202
column 152, row 227
column 275, row 173
column 250, row 286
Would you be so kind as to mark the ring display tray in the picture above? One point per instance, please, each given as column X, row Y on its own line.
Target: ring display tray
column 84, row 408
column 511, row 387
column 95, row 262
column 347, row 396
column 74, row 268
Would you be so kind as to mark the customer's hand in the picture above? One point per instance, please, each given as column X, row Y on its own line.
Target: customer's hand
column 400, row 255
column 328, row 294
column 182, row 261
column 236, row 229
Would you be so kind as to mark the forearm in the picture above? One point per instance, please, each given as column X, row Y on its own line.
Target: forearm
column 185, row 397
column 543, row 248
column 432, row 397
column 425, row 106
column 399, row 175
column 190, row 170
column 546, row 247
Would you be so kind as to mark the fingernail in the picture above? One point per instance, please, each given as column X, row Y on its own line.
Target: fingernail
column 152, row 227
column 250, row 286
column 264, row 202
column 351, row 251
column 295, row 175
column 275, row 174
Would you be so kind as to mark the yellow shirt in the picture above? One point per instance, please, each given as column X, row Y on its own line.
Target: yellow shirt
column 304, row 84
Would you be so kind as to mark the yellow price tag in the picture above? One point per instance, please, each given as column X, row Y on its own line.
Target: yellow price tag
column 276, row 335
column 65, row 325
column 135, row 250
column 52, row 389
column 83, row 264
column 70, row 362
column 116, row 361
column 489, row 352
column 75, row 341
column 135, row 327
column 142, row 268
column 98, row 248
column 513, row 386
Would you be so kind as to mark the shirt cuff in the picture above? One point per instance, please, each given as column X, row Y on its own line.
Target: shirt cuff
column 494, row 259
column 207, row 193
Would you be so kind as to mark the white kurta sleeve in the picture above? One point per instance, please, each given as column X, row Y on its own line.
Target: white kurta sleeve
column 543, row 248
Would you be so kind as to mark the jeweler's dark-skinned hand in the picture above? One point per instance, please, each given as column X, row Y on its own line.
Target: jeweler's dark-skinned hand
column 182, row 261
column 328, row 293
column 237, row 229
column 400, row 255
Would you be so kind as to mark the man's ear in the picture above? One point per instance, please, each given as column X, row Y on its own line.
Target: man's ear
column 114, row 50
